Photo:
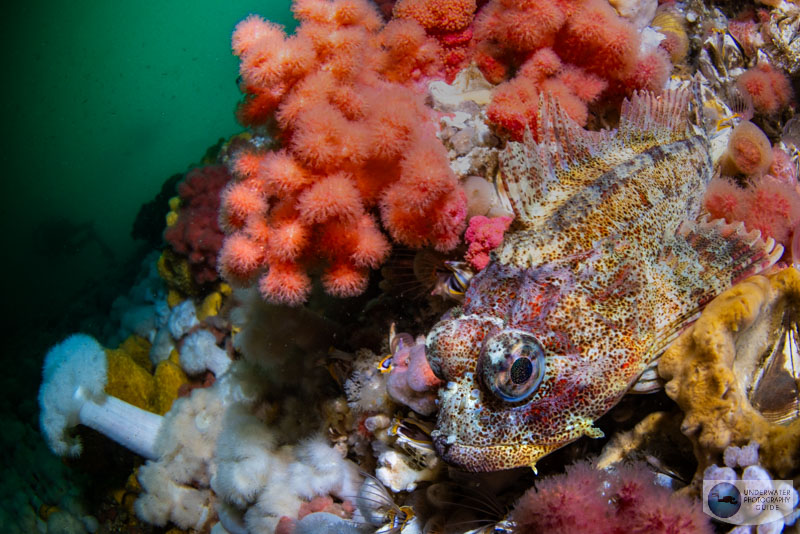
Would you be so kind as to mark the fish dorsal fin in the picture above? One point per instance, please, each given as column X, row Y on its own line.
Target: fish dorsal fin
column 654, row 119
column 541, row 176
column 537, row 176
column 705, row 258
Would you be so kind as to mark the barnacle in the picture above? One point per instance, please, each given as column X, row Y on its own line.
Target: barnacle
column 671, row 24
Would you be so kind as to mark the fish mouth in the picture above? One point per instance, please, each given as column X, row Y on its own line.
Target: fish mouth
column 490, row 457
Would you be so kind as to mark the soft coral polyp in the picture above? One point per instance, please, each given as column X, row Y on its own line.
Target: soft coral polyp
column 342, row 98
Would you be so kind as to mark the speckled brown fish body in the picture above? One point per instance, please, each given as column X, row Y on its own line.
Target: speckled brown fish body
column 597, row 274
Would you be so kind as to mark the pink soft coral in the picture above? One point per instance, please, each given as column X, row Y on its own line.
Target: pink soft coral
column 437, row 15
column 196, row 234
column 576, row 50
column 356, row 141
column 449, row 22
column 565, row 504
column 770, row 205
column 768, row 87
column 483, row 235
column 591, row 501
column 643, row 507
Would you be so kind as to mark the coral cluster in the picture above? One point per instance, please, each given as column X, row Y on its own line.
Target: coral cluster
column 449, row 22
column 484, row 235
column 768, row 205
column 595, row 501
column 194, row 233
column 576, row 51
column 770, row 199
column 379, row 126
column 769, row 88
column 357, row 141
column 356, row 147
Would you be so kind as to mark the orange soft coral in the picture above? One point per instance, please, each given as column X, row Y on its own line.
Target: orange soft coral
column 341, row 100
column 447, row 21
column 241, row 258
column 769, row 205
column 345, row 280
column 578, row 51
column 240, row 201
column 437, row 15
column 335, row 196
column 288, row 239
column 599, row 40
column 407, row 53
column 514, row 106
column 324, row 138
column 286, row 283
column 283, row 174
column 768, row 87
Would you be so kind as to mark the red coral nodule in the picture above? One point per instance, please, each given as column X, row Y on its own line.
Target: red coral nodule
column 196, row 234
column 285, row 284
column 768, row 87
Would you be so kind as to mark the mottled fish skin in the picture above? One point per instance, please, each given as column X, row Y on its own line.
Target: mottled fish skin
column 591, row 281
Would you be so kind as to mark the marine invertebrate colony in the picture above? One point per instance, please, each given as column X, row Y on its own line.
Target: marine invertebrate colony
column 769, row 205
column 357, row 144
column 577, row 51
column 712, row 373
column 484, row 234
column 588, row 500
column 769, row 88
column 581, row 293
column 195, row 234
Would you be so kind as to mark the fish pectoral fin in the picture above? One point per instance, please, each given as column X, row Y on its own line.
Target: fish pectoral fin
column 699, row 262
column 727, row 252
column 594, row 432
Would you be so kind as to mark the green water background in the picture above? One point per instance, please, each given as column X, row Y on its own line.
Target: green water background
column 103, row 101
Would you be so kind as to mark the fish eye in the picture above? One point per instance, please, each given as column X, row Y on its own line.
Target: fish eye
column 512, row 365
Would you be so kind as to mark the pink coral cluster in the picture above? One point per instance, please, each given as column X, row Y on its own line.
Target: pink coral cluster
column 577, row 50
column 196, row 234
column 357, row 143
column 597, row 502
column 769, row 201
column 769, row 88
column 483, row 235
column 769, row 204
column 450, row 22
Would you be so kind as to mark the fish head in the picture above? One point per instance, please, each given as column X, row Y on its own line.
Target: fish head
column 513, row 392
